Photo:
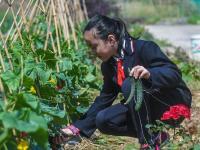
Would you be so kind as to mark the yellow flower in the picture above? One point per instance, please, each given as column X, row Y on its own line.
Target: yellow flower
column 32, row 90
column 22, row 145
column 53, row 81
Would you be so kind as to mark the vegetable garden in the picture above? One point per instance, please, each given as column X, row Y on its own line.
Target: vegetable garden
column 45, row 75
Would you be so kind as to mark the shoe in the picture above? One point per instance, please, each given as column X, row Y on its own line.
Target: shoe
column 74, row 140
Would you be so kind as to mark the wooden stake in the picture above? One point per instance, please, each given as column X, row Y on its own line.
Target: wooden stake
column 56, row 27
column 72, row 27
column 85, row 10
column 6, row 50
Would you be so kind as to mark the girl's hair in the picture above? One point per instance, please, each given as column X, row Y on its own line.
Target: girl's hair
column 105, row 26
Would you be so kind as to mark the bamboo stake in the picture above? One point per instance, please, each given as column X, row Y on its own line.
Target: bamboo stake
column 72, row 27
column 48, row 5
column 16, row 25
column 64, row 20
column 2, row 62
column 2, row 91
column 56, row 27
column 6, row 50
column 62, row 23
column 85, row 10
column 5, row 15
column 32, row 13
column 54, row 49
column 48, row 30
column 41, row 3
column 23, row 16
column 20, row 23
column 80, row 11
column 59, row 23
column 45, row 12
column 9, row 32
column 52, row 41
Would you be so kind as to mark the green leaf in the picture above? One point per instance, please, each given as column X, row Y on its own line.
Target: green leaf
column 196, row 147
column 32, row 124
column 35, row 125
column 27, row 82
column 46, row 92
column 31, row 100
column 44, row 75
column 81, row 109
column 17, row 50
column 53, row 111
column 48, row 56
column 29, row 69
column 41, row 137
column 11, row 79
column 11, row 120
column 33, row 71
column 65, row 64
column 148, row 126
column 90, row 78
column 26, row 100
column 39, row 120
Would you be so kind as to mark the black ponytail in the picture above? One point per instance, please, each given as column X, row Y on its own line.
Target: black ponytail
column 105, row 26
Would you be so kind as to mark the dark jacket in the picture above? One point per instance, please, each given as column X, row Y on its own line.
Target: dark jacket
column 165, row 79
column 165, row 76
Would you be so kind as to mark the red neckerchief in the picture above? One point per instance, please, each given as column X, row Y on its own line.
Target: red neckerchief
column 120, row 72
column 127, row 44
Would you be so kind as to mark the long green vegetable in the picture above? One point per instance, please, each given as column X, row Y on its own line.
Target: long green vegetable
column 136, row 92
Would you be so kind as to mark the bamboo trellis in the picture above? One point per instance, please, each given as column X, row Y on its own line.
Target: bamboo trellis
column 64, row 15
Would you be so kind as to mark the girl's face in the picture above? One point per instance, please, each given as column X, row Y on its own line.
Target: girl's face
column 104, row 49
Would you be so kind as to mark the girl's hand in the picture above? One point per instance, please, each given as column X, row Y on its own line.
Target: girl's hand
column 139, row 72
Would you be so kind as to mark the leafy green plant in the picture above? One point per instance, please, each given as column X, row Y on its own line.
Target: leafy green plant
column 44, row 90
column 190, row 69
column 194, row 19
column 179, row 135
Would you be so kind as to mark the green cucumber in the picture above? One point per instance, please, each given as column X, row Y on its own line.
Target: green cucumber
column 136, row 92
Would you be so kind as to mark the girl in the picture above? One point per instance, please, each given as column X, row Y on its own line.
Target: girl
column 165, row 95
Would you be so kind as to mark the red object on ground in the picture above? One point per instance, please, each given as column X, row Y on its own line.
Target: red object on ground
column 177, row 111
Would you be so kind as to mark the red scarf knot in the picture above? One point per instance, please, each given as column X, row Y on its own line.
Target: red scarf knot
column 120, row 72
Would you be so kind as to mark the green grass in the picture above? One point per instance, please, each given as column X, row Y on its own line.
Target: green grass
column 153, row 11
column 194, row 19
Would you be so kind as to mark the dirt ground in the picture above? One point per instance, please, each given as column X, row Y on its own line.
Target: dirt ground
column 108, row 142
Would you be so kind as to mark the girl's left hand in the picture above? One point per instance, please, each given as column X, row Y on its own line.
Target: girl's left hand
column 139, row 72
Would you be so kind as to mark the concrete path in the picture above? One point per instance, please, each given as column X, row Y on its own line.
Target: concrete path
column 178, row 35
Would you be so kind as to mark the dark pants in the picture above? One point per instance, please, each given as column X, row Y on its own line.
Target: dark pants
column 117, row 119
